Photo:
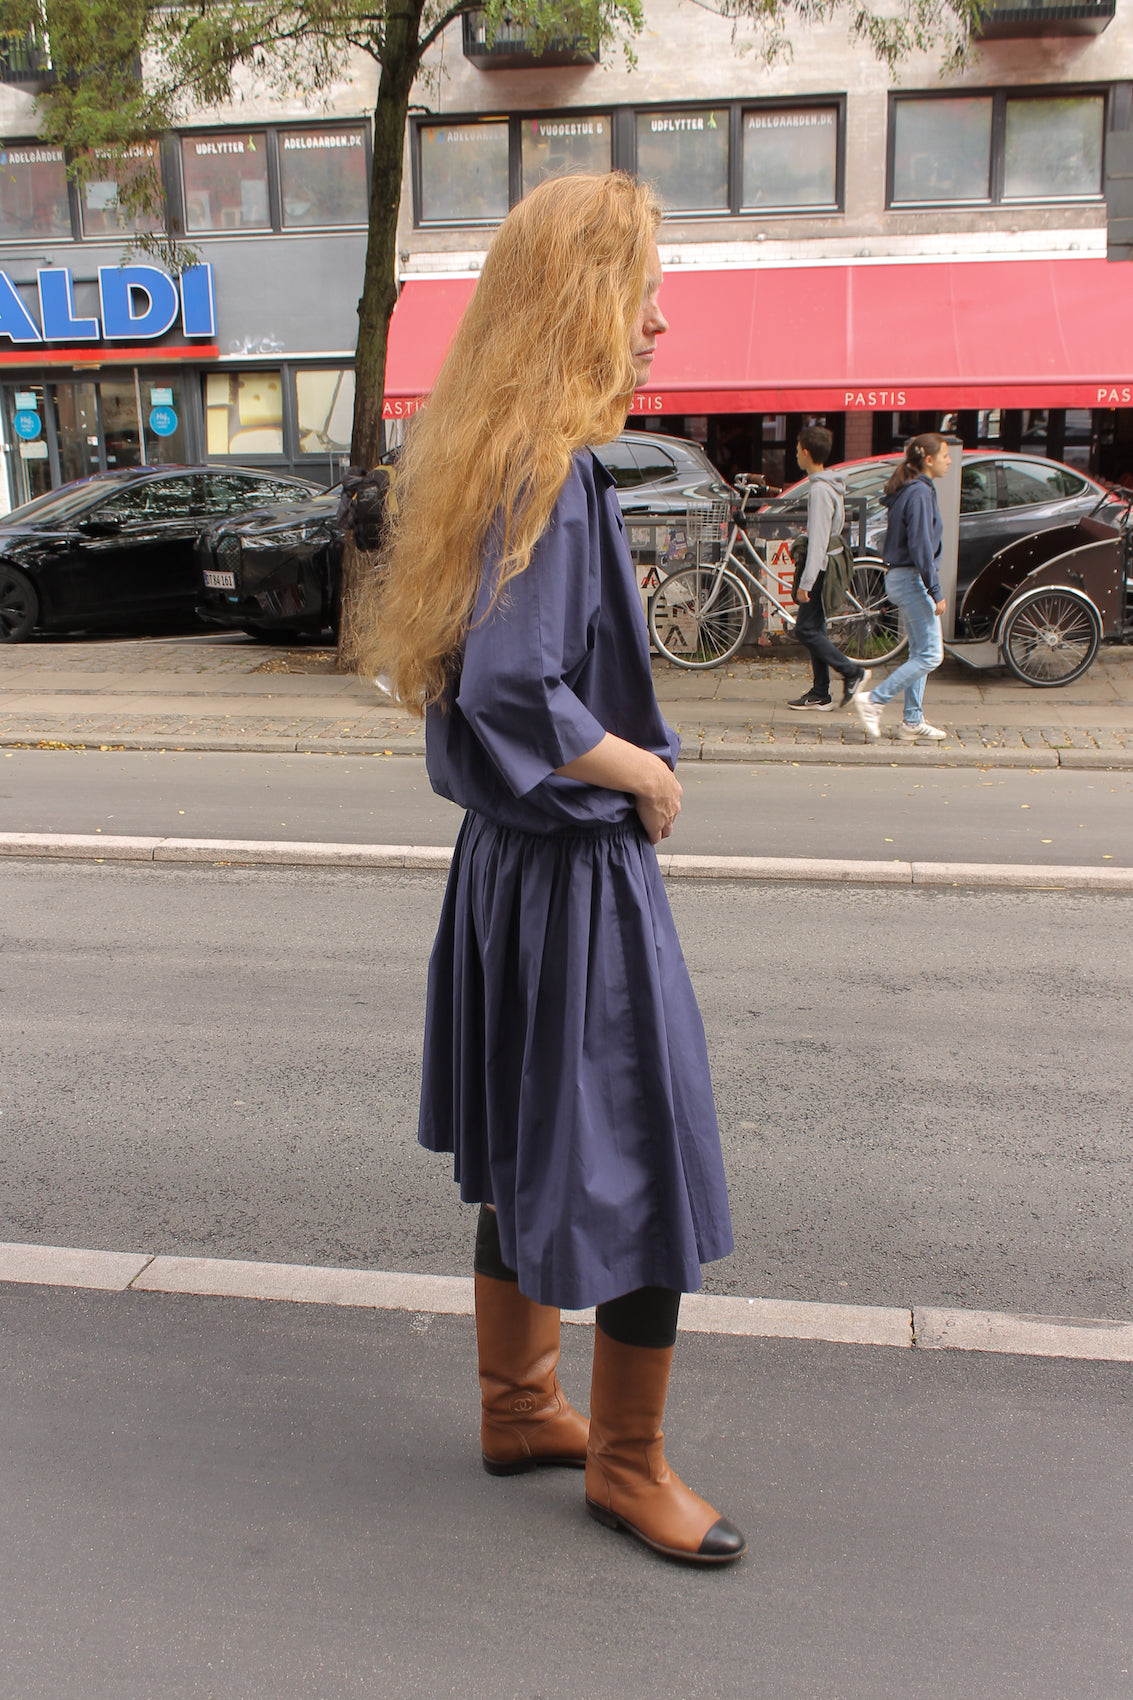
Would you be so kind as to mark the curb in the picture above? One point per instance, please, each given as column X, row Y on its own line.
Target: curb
column 829, row 755
column 923, row 1328
column 235, row 852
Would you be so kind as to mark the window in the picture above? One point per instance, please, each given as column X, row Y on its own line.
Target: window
column 619, row 460
column 1028, row 482
column 232, row 492
column 552, row 146
column 244, row 412
column 33, row 192
column 226, row 181
column 326, row 410
column 977, row 488
column 993, row 148
column 942, row 150
column 464, row 172
column 1053, row 148
column 790, row 158
column 686, row 155
column 156, row 499
column 653, row 462
column 99, row 195
column 723, row 160
column 323, row 177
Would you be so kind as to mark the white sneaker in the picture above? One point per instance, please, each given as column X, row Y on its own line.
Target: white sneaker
column 869, row 713
column 909, row 734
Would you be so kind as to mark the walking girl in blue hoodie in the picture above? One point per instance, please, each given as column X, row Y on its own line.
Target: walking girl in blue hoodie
column 912, row 584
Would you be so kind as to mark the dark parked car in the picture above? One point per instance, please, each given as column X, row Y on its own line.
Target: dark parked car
column 118, row 551
column 278, row 573
column 1002, row 497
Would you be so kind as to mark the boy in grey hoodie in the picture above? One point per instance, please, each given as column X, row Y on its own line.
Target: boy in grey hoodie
column 825, row 517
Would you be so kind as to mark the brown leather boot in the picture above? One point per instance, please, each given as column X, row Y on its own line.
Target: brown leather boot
column 628, row 1483
column 525, row 1418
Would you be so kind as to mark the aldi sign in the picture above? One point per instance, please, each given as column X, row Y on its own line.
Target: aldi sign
column 136, row 304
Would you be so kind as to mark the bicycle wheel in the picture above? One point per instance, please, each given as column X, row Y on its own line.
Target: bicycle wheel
column 698, row 616
column 1050, row 636
column 868, row 629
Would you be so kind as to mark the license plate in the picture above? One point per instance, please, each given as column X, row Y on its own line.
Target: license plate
column 220, row 581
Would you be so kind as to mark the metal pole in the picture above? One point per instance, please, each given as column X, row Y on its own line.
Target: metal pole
column 948, row 495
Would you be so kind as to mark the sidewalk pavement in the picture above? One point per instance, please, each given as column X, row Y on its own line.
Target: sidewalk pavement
column 227, row 693
column 208, row 1498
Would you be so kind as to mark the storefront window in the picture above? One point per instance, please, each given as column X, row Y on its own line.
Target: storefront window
column 552, row 146
column 942, row 150
column 686, row 155
column 464, row 172
column 244, row 412
column 99, row 196
column 323, row 176
column 790, row 158
column 226, row 181
column 1053, row 148
column 326, row 410
column 33, row 192
column 25, row 412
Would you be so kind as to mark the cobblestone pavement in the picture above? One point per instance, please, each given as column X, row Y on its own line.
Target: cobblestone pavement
column 228, row 693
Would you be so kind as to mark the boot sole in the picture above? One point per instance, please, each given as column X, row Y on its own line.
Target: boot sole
column 520, row 1466
column 611, row 1520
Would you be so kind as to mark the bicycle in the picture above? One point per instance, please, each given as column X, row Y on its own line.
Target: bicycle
column 700, row 614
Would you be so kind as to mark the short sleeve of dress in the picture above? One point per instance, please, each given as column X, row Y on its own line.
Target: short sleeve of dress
column 523, row 659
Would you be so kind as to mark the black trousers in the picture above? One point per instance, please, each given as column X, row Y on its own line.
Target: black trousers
column 811, row 631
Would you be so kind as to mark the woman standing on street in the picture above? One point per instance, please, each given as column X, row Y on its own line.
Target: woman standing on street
column 912, row 584
column 565, row 1064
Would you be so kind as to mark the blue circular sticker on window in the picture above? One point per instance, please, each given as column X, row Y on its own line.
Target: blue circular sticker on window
column 27, row 423
column 162, row 421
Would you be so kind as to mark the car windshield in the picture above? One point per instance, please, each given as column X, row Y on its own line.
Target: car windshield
column 58, row 506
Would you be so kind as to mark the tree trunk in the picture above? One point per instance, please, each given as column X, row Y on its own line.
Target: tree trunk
column 400, row 61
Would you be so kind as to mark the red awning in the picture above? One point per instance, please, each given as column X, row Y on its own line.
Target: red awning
column 955, row 334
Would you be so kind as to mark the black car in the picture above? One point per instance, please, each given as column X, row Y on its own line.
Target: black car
column 278, row 574
column 117, row 551
column 1003, row 497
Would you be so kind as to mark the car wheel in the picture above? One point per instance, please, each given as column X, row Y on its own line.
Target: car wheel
column 1050, row 637
column 19, row 605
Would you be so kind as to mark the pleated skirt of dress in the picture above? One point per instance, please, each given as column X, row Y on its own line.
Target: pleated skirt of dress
column 565, row 1064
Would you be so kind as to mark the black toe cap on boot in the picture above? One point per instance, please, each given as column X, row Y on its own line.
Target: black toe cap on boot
column 722, row 1542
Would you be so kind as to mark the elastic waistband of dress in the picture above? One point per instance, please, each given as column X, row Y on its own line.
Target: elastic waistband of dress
column 586, row 831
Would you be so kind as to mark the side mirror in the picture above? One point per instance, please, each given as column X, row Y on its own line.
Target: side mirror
column 96, row 526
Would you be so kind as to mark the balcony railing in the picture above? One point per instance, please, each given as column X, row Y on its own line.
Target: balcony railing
column 1002, row 18
column 513, row 50
column 25, row 61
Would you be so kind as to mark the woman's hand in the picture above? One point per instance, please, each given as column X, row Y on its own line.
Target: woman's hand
column 659, row 804
column 941, row 606
column 620, row 766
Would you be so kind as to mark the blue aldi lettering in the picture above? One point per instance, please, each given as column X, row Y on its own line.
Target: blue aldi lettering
column 138, row 303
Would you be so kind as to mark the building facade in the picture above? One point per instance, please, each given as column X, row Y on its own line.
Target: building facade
column 884, row 256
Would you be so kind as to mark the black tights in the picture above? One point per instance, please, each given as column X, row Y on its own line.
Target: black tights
column 646, row 1317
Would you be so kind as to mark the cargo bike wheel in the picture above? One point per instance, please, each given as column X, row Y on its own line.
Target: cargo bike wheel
column 1050, row 636
column 698, row 617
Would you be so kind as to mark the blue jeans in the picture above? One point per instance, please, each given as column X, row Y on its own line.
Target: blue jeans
column 905, row 588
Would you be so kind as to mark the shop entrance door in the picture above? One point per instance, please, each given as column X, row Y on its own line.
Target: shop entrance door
column 77, row 430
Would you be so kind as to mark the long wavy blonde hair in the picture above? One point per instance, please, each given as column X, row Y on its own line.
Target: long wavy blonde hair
column 539, row 368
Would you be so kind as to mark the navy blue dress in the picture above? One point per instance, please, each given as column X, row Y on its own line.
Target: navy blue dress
column 565, row 1065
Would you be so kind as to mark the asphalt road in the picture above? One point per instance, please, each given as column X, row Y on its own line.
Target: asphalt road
column 923, row 1094
column 960, row 814
column 222, row 1500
